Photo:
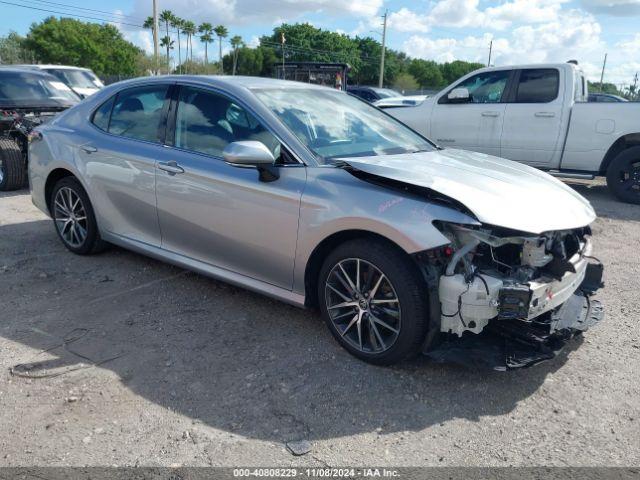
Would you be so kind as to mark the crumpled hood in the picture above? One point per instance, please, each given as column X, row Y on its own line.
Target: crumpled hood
column 499, row 192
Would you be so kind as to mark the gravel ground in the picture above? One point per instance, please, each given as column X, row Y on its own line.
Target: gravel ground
column 157, row 367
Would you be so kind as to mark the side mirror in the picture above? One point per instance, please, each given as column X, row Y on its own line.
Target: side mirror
column 459, row 95
column 251, row 153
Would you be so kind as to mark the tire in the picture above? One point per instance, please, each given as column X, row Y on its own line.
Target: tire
column 78, row 231
column 13, row 172
column 389, row 331
column 623, row 175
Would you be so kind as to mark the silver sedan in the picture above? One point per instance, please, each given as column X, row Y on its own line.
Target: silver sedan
column 316, row 198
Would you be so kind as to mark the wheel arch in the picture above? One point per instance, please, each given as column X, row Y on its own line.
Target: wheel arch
column 621, row 144
column 54, row 177
column 319, row 253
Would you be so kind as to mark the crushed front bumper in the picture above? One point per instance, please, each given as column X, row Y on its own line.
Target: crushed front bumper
column 510, row 344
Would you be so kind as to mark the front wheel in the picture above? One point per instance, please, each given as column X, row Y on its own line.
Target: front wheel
column 373, row 300
column 623, row 175
column 74, row 219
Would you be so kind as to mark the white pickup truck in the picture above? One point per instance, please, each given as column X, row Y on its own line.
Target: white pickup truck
column 538, row 115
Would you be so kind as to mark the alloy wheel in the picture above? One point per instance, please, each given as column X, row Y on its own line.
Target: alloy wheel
column 363, row 305
column 70, row 217
column 630, row 177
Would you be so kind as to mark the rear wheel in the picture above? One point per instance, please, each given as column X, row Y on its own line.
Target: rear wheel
column 374, row 301
column 74, row 219
column 623, row 175
column 13, row 174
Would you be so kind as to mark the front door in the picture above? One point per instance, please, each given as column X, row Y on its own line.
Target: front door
column 475, row 125
column 224, row 215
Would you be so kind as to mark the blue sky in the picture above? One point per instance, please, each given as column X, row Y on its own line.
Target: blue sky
column 523, row 31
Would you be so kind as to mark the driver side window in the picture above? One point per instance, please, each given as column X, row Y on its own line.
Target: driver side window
column 207, row 122
column 487, row 87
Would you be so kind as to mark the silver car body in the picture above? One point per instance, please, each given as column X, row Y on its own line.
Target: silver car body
column 222, row 221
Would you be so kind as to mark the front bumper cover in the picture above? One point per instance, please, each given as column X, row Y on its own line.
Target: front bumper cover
column 510, row 344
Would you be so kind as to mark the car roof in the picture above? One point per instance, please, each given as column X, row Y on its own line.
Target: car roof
column 228, row 81
column 51, row 67
column 31, row 71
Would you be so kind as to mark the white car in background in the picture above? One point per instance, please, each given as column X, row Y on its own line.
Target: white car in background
column 406, row 101
column 538, row 115
column 81, row 80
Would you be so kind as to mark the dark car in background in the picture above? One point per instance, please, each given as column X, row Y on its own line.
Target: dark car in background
column 28, row 98
column 605, row 98
column 372, row 94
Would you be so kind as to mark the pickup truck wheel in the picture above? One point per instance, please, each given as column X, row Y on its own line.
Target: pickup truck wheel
column 623, row 175
column 13, row 174
column 373, row 300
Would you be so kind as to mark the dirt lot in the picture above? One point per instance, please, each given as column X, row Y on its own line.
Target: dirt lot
column 190, row 371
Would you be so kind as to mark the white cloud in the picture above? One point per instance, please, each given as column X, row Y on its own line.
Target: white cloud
column 404, row 20
column 466, row 13
column 245, row 12
column 613, row 7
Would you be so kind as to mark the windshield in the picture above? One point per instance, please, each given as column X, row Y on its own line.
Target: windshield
column 25, row 87
column 333, row 124
column 76, row 78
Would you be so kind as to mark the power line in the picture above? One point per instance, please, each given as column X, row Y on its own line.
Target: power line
column 68, row 6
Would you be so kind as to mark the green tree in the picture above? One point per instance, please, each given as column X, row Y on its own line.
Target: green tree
column 458, row 68
column 206, row 37
column 165, row 17
column 426, row 72
column 236, row 43
column 404, row 82
column 13, row 50
column 222, row 32
column 72, row 42
column 177, row 22
column 190, row 29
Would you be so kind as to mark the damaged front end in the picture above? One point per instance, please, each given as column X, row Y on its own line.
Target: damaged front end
column 509, row 299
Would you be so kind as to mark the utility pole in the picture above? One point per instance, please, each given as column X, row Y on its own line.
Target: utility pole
column 283, row 40
column 602, row 75
column 156, row 46
column 490, row 48
column 384, row 44
column 635, row 85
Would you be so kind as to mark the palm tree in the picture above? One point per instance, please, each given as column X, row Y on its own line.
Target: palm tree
column 222, row 32
column 167, row 16
column 168, row 43
column 190, row 29
column 177, row 22
column 236, row 43
column 206, row 29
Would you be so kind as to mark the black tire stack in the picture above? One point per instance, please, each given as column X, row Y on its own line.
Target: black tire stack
column 13, row 174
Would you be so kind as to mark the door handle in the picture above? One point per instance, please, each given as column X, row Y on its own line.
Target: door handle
column 89, row 149
column 490, row 114
column 170, row 167
column 545, row 114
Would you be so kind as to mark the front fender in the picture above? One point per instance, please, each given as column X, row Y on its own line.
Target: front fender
column 335, row 201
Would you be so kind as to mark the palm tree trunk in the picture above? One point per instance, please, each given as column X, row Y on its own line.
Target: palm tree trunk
column 206, row 53
column 168, row 48
column 220, row 53
column 179, row 54
column 235, row 60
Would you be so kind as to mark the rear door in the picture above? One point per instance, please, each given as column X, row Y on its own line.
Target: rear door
column 477, row 124
column 119, row 157
column 534, row 118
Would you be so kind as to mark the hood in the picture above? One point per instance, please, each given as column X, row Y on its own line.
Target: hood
column 85, row 92
column 499, row 192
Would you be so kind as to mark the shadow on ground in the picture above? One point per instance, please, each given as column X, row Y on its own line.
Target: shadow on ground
column 232, row 359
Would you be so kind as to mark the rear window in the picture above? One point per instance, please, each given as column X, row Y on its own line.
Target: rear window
column 103, row 114
column 25, row 87
column 538, row 85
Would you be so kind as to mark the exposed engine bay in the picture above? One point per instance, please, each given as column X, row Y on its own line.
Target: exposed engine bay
column 532, row 288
